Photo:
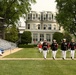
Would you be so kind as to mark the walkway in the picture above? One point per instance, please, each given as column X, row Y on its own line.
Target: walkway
column 32, row 59
column 7, row 52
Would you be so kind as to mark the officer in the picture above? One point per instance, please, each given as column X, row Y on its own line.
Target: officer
column 72, row 46
column 45, row 48
column 64, row 47
column 54, row 47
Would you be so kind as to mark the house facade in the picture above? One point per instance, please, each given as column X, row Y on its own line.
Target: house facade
column 42, row 25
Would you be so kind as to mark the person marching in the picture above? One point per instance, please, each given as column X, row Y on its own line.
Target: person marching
column 64, row 47
column 45, row 49
column 40, row 47
column 54, row 47
column 72, row 46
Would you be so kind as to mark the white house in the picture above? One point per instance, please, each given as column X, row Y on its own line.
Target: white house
column 42, row 25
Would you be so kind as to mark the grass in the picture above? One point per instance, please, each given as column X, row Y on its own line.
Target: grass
column 38, row 67
column 34, row 53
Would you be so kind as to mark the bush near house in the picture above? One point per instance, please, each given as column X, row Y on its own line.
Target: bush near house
column 26, row 37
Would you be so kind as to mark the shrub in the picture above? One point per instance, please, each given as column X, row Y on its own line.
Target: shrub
column 26, row 37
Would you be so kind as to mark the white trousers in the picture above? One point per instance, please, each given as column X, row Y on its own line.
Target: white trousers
column 45, row 53
column 72, row 53
column 64, row 54
column 54, row 54
column 40, row 50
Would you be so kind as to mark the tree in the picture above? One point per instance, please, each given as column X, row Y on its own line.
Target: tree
column 12, row 34
column 26, row 37
column 66, row 15
column 67, row 36
column 12, row 10
column 58, row 37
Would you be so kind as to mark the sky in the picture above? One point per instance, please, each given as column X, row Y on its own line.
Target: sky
column 44, row 5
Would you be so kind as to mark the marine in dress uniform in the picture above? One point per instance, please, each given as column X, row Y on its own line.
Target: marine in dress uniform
column 64, row 47
column 54, row 47
column 72, row 46
column 45, row 48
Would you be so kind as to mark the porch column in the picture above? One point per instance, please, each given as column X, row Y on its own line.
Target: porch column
column 38, row 37
column 51, row 37
column 45, row 36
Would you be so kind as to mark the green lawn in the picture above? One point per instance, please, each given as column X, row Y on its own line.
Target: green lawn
column 34, row 53
column 38, row 67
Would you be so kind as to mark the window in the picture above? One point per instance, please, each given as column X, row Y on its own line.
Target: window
column 54, row 27
column 34, row 17
column 35, row 37
column 44, row 26
column 49, row 16
column 41, row 37
column 48, row 37
column 28, row 26
column 39, row 26
column 29, row 16
column 39, row 17
column 49, row 27
column 52, row 16
column 44, row 17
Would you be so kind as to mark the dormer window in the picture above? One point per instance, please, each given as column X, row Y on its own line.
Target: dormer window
column 34, row 16
column 39, row 17
column 44, row 17
column 29, row 16
column 49, row 17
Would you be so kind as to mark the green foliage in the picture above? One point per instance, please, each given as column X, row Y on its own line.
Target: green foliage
column 67, row 36
column 66, row 15
column 11, row 34
column 12, row 10
column 26, row 37
column 58, row 36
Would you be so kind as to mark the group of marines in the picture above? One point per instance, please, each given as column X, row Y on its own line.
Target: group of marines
column 45, row 46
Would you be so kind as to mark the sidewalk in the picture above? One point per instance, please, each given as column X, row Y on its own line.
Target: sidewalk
column 35, row 59
column 7, row 52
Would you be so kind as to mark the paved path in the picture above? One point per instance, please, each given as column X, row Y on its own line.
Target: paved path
column 33, row 59
column 7, row 52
